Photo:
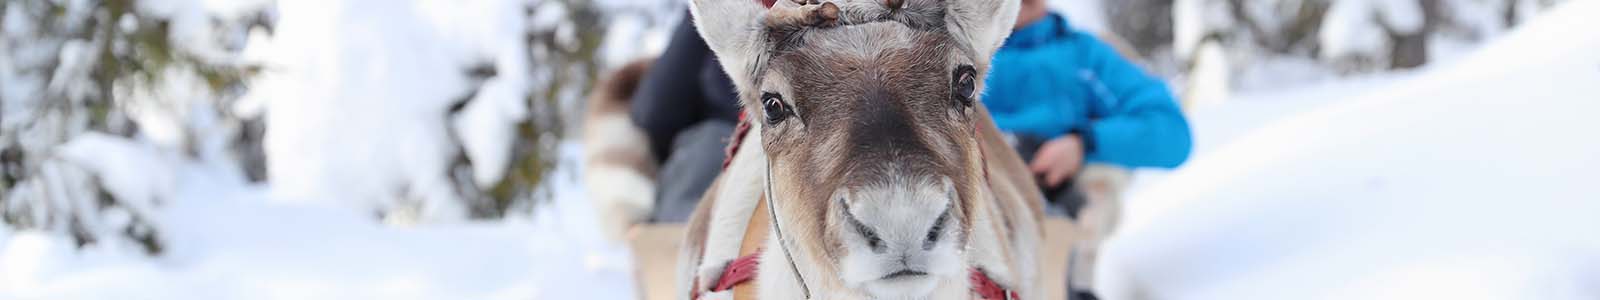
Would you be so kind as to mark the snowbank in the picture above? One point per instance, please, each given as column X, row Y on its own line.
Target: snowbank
column 228, row 242
column 1469, row 182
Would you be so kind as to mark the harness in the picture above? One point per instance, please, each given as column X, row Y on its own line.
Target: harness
column 742, row 270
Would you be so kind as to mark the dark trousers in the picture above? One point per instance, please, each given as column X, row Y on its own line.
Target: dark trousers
column 1064, row 200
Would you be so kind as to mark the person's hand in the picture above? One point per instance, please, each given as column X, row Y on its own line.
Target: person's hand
column 1058, row 159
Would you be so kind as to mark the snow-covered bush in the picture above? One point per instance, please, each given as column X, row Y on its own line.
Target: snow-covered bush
column 1146, row 24
column 415, row 111
column 430, row 110
column 1363, row 34
column 96, row 97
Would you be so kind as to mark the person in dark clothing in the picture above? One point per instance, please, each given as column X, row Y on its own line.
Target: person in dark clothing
column 687, row 107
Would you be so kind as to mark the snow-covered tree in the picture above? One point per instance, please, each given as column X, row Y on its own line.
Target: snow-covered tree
column 417, row 111
column 1307, row 39
column 89, row 89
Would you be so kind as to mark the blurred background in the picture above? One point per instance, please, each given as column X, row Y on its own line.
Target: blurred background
column 298, row 149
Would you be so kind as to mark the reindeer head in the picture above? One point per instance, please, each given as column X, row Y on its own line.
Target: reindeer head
column 865, row 111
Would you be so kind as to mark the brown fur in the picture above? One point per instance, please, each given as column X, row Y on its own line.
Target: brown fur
column 612, row 95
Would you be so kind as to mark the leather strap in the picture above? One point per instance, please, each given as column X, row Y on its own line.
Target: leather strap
column 741, row 271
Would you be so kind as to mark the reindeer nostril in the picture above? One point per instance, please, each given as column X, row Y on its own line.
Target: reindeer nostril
column 934, row 233
column 872, row 238
column 873, row 241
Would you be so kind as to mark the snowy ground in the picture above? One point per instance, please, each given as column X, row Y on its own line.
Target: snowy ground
column 232, row 243
column 1471, row 181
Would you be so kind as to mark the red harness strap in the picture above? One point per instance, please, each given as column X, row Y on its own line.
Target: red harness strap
column 734, row 141
column 738, row 272
column 988, row 289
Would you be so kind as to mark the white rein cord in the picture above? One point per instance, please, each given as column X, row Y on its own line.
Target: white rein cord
column 783, row 244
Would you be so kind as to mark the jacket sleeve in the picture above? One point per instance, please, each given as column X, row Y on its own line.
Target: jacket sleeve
column 1136, row 120
column 668, row 97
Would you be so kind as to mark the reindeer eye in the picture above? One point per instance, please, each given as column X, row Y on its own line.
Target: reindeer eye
column 775, row 109
column 964, row 85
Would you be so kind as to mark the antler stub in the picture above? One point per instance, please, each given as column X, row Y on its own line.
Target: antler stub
column 811, row 13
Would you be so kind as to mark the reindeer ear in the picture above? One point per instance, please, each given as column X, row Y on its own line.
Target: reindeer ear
column 983, row 23
column 734, row 31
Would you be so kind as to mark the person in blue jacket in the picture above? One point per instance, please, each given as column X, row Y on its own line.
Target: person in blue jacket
column 1069, row 98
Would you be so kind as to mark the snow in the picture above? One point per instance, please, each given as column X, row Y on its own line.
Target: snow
column 137, row 174
column 191, row 23
column 76, row 57
column 1192, row 20
column 230, row 8
column 403, row 67
column 1349, row 30
column 229, row 242
column 1403, row 17
column 636, row 33
column 1361, row 28
column 388, row 74
column 1464, row 182
column 645, row 31
column 1210, row 77
column 487, row 126
column 1085, row 15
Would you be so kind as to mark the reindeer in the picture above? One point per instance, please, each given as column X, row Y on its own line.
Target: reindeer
column 871, row 170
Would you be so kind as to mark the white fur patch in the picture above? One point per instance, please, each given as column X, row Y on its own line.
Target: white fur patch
column 622, row 197
column 984, row 249
column 614, row 133
column 737, row 197
column 776, row 279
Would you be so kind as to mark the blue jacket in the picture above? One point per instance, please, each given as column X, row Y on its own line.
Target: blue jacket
column 1049, row 80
